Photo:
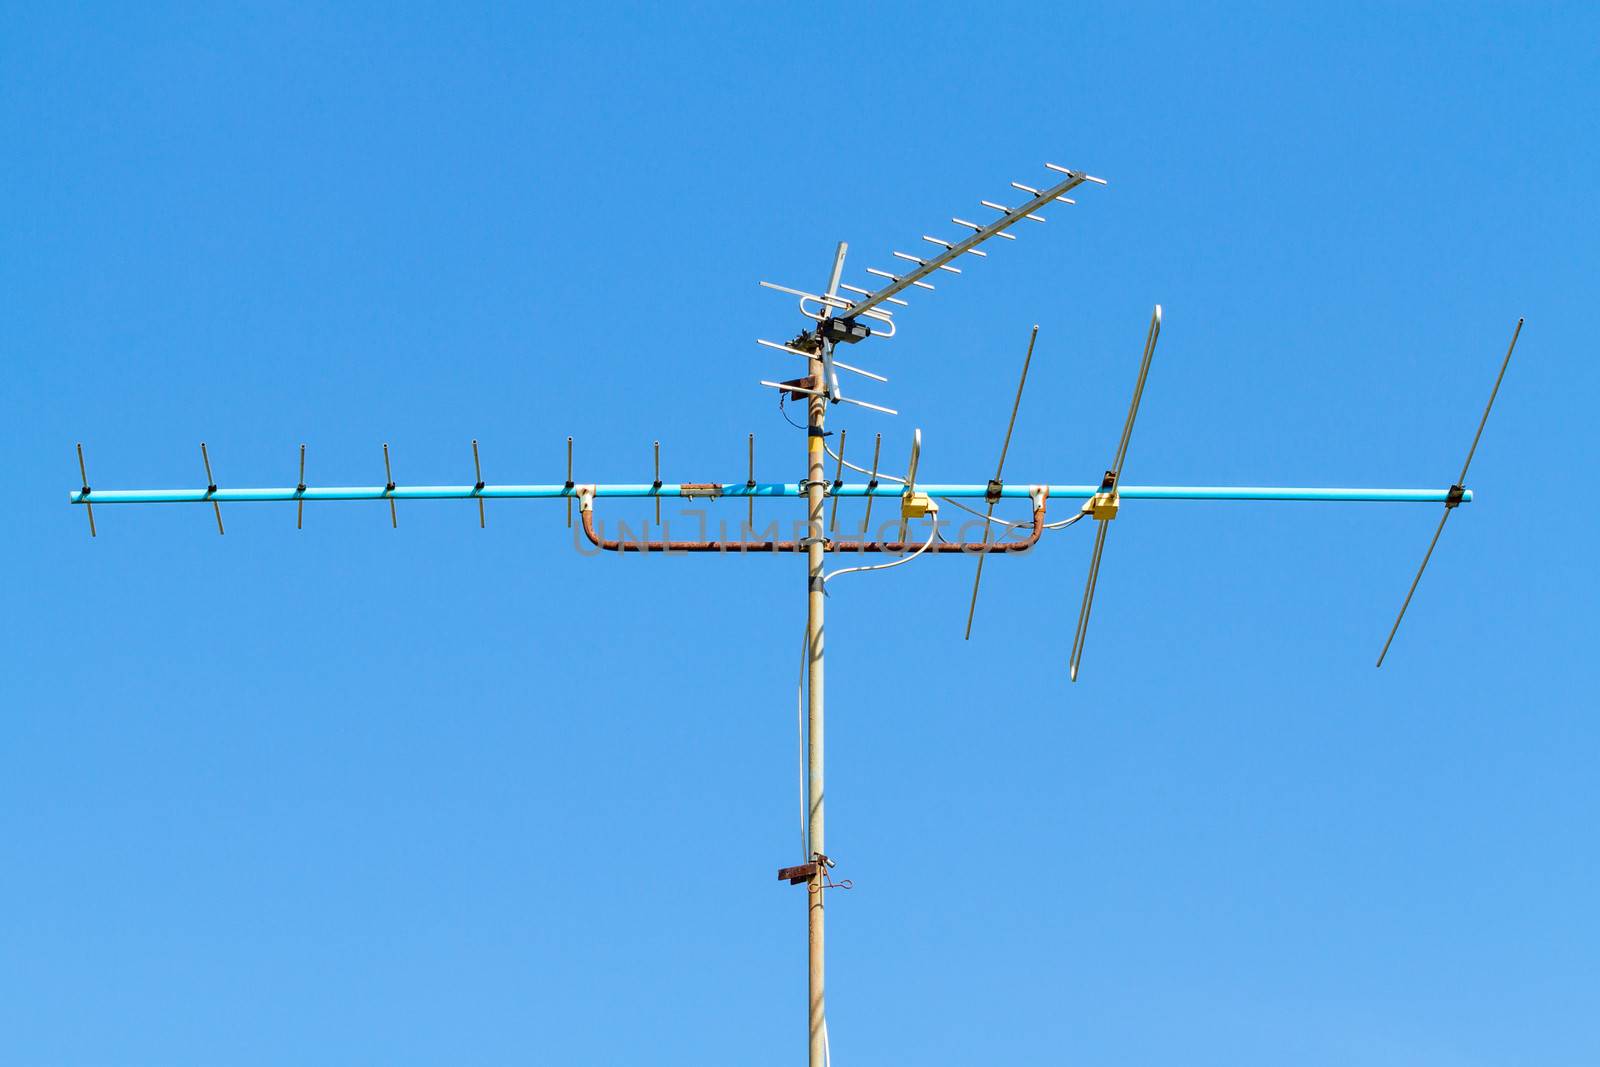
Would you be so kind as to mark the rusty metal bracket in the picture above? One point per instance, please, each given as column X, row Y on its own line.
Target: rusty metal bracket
column 708, row 490
column 795, row 875
column 586, row 512
column 808, row 383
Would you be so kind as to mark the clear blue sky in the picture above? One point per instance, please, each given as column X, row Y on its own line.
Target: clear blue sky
column 353, row 795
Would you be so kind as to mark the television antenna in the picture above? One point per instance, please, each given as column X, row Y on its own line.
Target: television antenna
column 841, row 314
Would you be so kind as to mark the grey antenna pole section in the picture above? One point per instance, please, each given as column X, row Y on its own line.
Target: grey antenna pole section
column 1104, row 504
column 1455, row 493
column 999, row 469
column 816, row 601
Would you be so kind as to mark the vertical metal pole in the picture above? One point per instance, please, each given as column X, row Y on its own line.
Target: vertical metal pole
column 815, row 485
column 816, row 491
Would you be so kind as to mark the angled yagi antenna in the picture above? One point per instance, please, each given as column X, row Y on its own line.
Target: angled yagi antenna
column 1103, row 505
column 992, row 496
column 954, row 250
column 1457, row 493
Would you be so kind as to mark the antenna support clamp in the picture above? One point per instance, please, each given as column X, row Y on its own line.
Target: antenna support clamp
column 711, row 490
column 1104, row 504
column 914, row 505
column 846, row 331
column 1457, row 494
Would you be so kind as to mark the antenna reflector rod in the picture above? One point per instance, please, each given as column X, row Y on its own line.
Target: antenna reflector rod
column 869, row 407
column 974, row 226
column 750, row 485
column 909, row 492
column 1088, row 602
column 868, row 292
column 993, row 497
column 858, row 370
column 896, row 277
column 388, row 487
column 568, row 486
column 924, row 263
column 83, row 470
column 1076, row 174
column 211, row 486
column 1103, row 505
column 477, row 469
column 299, row 491
column 655, row 487
column 1457, row 492
column 872, row 483
column 784, row 348
column 838, row 480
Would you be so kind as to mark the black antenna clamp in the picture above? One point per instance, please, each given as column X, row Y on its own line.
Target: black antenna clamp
column 991, row 492
column 1457, row 494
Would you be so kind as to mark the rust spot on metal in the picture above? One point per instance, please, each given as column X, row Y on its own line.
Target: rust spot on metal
column 808, row 382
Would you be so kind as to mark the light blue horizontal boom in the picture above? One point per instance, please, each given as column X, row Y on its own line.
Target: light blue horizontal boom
column 739, row 489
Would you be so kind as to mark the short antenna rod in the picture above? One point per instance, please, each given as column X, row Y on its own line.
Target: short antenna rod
column 211, row 486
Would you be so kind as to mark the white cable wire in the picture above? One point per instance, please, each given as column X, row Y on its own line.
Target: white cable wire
column 933, row 531
column 1061, row 525
column 882, row 477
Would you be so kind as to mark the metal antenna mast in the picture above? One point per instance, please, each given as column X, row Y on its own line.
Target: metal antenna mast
column 837, row 319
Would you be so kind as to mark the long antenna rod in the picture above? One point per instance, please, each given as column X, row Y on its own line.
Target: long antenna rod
column 999, row 468
column 1455, row 490
column 1105, row 503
